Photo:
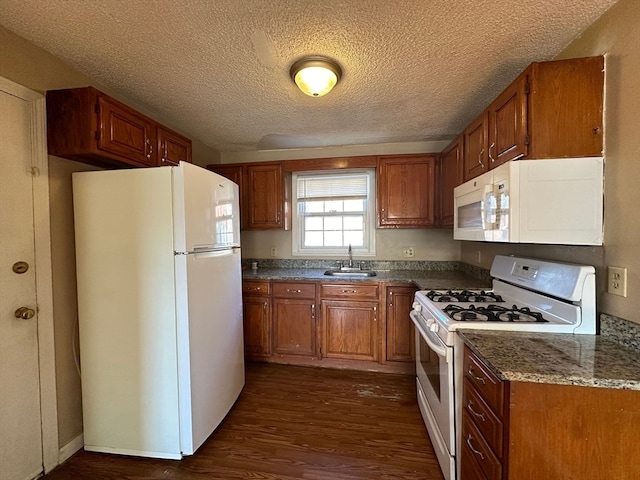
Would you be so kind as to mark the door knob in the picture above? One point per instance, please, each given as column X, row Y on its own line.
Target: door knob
column 25, row 313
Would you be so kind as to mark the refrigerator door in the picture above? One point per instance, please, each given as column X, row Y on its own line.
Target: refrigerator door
column 210, row 341
column 206, row 210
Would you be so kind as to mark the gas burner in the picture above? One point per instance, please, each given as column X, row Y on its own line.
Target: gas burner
column 493, row 313
column 450, row 296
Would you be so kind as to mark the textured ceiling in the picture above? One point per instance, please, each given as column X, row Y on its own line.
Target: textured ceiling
column 218, row 70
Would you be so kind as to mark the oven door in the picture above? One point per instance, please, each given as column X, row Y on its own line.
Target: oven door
column 434, row 371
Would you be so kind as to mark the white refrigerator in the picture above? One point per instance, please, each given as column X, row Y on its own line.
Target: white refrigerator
column 159, row 307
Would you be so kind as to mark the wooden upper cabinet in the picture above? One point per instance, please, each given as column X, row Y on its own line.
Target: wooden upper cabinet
column 566, row 108
column 508, row 137
column 231, row 171
column 173, row 148
column 476, row 147
column 406, row 191
column 451, row 175
column 86, row 125
column 551, row 110
column 263, row 197
column 124, row 132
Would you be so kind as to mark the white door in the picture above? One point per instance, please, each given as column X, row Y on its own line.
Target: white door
column 21, row 454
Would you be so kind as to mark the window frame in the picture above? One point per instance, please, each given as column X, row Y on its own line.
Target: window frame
column 369, row 249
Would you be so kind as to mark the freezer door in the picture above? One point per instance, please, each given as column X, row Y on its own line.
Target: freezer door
column 206, row 209
column 210, row 341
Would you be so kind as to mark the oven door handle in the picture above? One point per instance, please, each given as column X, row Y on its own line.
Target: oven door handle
column 439, row 348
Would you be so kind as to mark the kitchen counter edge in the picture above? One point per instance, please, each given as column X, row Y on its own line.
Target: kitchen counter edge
column 563, row 359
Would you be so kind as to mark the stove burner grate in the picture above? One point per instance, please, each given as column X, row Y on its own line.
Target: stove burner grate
column 463, row 296
column 493, row 313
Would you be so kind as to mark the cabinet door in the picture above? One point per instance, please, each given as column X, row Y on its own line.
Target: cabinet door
column 263, row 197
column 232, row 172
column 400, row 330
column 451, row 175
column 294, row 324
column 476, row 136
column 508, row 138
column 350, row 330
column 172, row 147
column 257, row 328
column 406, row 191
column 122, row 131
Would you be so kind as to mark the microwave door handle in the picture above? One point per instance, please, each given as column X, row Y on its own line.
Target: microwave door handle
column 441, row 349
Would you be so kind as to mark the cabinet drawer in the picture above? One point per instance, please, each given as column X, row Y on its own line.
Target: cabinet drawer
column 474, row 447
column 487, row 422
column 256, row 287
column 490, row 387
column 347, row 290
column 294, row 290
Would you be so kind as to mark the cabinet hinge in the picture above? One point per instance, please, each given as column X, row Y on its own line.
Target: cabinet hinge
column 526, row 139
column 97, row 108
column 97, row 135
column 527, row 89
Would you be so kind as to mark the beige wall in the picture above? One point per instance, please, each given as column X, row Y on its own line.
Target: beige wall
column 28, row 65
column 617, row 36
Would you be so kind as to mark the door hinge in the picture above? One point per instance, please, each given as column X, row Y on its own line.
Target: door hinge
column 526, row 139
column 97, row 108
column 97, row 135
column 527, row 88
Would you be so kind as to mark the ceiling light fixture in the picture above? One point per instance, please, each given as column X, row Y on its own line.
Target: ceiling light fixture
column 316, row 76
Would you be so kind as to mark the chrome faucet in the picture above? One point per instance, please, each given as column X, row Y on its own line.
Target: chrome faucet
column 350, row 257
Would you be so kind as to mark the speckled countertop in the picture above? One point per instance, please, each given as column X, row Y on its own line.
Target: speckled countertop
column 586, row 360
column 423, row 279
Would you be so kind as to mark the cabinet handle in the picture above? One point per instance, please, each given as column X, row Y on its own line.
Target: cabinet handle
column 473, row 412
column 254, row 289
column 375, row 314
column 471, row 374
column 264, row 308
column 480, row 158
column 477, row 452
column 149, row 149
column 493, row 144
column 349, row 291
column 313, row 311
column 291, row 290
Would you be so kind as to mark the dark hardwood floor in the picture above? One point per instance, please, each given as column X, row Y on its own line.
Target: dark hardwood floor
column 296, row 423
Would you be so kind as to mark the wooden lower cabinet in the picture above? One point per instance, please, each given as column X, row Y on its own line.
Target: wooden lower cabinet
column 294, row 319
column 350, row 329
column 400, row 329
column 530, row 431
column 256, row 316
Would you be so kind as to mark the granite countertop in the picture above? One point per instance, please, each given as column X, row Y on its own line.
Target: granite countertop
column 586, row 360
column 423, row 279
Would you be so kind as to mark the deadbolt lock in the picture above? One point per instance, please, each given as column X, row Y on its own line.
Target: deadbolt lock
column 25, row 313
column 20, row 267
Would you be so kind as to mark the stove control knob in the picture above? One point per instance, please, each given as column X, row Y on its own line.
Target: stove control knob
column 417, row 307
column 434, row 327
column 430, row 321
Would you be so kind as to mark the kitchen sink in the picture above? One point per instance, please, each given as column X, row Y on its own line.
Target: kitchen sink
column 350, row 273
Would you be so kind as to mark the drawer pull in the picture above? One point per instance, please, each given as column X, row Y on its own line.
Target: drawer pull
column 291, row 290
column 471, row 374
column 254, row 289
column 477, row 452
column 349, row 291
column 473, row 412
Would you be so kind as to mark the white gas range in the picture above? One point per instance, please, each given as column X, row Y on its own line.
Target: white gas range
column 528, row 295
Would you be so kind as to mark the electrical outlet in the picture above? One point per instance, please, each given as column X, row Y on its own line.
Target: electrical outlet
column 274, row 251
column 617, row 281
column 408, row 252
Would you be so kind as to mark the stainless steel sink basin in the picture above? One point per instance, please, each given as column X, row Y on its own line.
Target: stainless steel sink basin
column 350, row 273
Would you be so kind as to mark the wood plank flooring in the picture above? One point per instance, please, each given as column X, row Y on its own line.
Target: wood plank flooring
column 296, row 423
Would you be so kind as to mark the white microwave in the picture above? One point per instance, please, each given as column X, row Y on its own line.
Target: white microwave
column 554, row 201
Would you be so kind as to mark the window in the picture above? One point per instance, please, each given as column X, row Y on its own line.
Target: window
column 332, row 211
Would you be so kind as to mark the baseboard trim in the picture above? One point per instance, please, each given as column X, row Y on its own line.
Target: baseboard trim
column 70, row 448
